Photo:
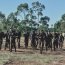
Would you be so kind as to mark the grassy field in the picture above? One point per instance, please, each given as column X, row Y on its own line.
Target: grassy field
column 31, row 57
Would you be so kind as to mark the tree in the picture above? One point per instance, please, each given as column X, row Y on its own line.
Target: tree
column 38, row 8
column 22, row 8
column 12, row 21
column 31, row 18
column 2, row 20
column 63, row 17
column 44, row 22
column 59, row 26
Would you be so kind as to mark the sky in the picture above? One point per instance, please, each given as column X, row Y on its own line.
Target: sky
column 53, row 8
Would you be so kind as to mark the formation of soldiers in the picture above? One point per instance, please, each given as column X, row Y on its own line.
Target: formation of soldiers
column 10, row 39
column 44, row 40
column 39, row 39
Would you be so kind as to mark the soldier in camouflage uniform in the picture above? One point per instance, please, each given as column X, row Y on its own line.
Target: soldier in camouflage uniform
column 7, row 44
column 1, row 39
column 13, row 38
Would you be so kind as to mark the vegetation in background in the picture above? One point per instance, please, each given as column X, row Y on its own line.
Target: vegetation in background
column 60, row 25
column 25, row 18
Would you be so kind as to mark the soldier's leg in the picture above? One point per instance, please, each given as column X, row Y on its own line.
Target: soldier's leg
column 15, row 46
column 33, row 43
column 61, row 45
column 25, row 43
column 41, row 50
column 35, row 47
column 11, row 46
column 57, row 45
column 36, row 43
column 51, row 45
column 54, row 45
column 42, row 45
column 0, row 45
column 46, row 46
column 18, row 42
column 5, row 45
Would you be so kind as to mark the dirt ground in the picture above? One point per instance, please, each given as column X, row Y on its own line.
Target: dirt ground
column 32, row 57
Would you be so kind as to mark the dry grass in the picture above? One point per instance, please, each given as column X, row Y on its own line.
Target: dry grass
column 31, row 57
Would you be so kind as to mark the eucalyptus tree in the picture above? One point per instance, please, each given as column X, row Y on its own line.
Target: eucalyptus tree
column 2, row 16
column 63, row 17
column 57, row 26
column 38, row 8
column 44, row 22
column 2, row 20
column 31, row 14
column 22, row 8
column 60, row 25
column 12, row 21
column 31, row 18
